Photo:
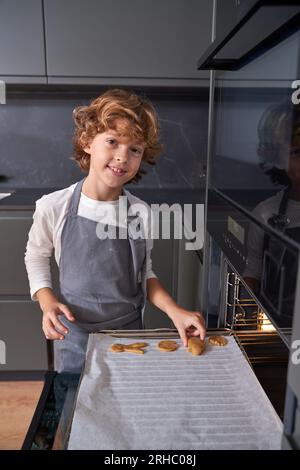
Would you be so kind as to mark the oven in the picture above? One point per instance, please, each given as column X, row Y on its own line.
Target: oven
column 251, row 256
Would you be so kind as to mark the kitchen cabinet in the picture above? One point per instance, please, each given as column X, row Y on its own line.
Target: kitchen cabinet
column 136, row 42
column 21, row 334
column 14, row 228
column 189, row 279
column 190, row 260
column 164, row 263
column 22, row 52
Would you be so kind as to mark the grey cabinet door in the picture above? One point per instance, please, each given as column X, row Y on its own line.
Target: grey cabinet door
column 22, row 343
column 14, row 228
column 163, row 266
column 158, row 39
column 189, row 278
column 22, row 49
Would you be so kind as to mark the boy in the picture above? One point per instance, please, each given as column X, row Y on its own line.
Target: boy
column 104, row 282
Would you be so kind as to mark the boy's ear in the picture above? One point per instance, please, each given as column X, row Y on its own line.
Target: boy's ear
column 86, row 147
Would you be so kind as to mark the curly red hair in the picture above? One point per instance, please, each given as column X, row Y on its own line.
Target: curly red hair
column 139, row 121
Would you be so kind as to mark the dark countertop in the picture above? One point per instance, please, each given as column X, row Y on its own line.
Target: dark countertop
column 24, row 198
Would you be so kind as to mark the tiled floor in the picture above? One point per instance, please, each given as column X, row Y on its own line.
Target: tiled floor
column 18, row 401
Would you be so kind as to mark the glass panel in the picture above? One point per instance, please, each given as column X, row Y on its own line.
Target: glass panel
column 256, row 145
column 266, row 261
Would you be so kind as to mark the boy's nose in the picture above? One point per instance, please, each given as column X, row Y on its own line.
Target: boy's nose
column 121, row 156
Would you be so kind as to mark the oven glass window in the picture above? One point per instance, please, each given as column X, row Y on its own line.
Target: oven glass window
column 255, row 158
column 263, row 259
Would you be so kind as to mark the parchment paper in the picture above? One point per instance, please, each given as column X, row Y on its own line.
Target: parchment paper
column 171, row 400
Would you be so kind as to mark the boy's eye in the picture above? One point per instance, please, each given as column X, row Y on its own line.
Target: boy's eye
column 137, row 151
column 111, row 141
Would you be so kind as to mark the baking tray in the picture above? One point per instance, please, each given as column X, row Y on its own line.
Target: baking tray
column 180, row 401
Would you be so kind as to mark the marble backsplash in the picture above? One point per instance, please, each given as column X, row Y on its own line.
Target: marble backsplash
column 36, row 131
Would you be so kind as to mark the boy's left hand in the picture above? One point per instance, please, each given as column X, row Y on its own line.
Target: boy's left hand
column 188, row 323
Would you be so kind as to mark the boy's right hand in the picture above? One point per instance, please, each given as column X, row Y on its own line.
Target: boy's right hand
column 51, row 323
column 51, row 309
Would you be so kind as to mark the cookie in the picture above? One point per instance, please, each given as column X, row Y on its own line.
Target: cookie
column 133, row 350
column 167, row 345
column 137, row 345
column 217, row 340
column 116, row 347
column 196, row 345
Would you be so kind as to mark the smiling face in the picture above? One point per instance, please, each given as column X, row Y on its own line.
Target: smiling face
column 115, row 158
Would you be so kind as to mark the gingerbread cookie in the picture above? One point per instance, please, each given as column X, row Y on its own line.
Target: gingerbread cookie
column 138, row 345
column 167, row 345
column 116, row 348
column 135, row 348
column 130, row 349
column 196, row 346
column 217, row 340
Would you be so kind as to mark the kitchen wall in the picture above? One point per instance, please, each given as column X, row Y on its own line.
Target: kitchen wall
column 36, row 130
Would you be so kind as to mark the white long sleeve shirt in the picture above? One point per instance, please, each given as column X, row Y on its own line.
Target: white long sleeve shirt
column 45, row 233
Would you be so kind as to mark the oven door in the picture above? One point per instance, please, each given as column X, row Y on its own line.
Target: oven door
column 253, row 201
column 266, row 261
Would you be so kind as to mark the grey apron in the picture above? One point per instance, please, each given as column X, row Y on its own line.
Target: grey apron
column 100, row 282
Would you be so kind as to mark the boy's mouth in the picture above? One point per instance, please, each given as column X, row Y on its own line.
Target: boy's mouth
column 116, row 171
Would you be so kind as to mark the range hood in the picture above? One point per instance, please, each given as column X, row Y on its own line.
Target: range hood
column 262, row 25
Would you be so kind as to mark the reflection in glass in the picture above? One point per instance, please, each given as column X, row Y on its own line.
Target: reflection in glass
column 272, row 267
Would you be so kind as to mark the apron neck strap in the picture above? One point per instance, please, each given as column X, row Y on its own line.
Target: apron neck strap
column 284, row 201
column 76, row 198
column 280, row 220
